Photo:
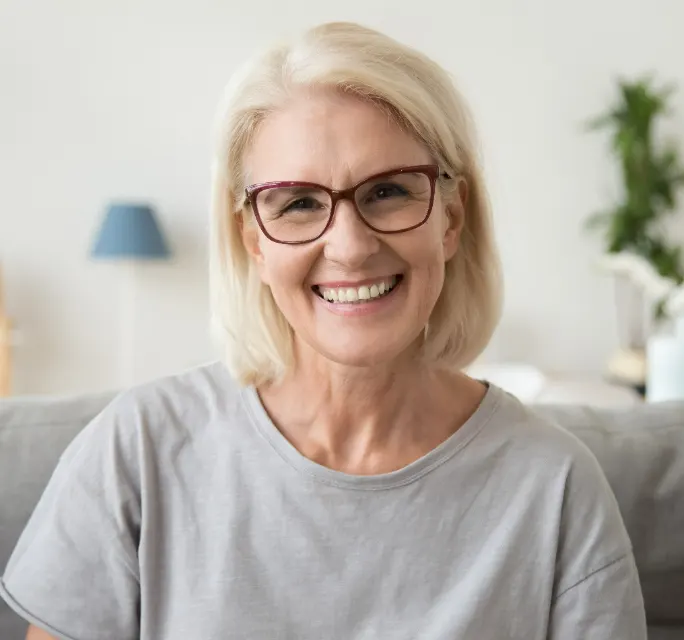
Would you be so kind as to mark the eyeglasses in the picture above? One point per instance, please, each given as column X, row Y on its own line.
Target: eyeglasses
column 390, row 202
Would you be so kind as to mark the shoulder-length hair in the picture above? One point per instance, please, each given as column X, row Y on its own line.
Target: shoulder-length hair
column 254, row 337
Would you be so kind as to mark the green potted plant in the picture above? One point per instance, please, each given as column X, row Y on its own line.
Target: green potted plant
column 637, row 248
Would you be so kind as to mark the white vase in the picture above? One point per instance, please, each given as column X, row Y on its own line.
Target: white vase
column 665, row 362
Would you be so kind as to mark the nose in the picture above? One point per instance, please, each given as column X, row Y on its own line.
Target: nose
column 348, row 240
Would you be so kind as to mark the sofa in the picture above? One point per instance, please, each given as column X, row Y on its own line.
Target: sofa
column 640, row 448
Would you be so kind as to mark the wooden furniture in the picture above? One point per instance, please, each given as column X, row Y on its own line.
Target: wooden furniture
column 5, row 347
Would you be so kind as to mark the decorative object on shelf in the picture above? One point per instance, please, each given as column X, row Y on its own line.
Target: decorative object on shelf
column 666, row 353
column 5, row 347
column 666, row 364
column 651, row 177
column 533, row 386
column 649, row 288
column 523, row 380
column 129, row 234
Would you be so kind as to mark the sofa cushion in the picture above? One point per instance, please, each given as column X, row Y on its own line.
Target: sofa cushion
column 641, row 450
column 665, row 633
column 33, row 434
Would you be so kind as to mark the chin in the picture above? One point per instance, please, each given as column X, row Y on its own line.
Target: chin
column 371, row 353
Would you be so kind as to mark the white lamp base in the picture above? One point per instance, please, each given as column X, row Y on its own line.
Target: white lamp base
column 127, row 326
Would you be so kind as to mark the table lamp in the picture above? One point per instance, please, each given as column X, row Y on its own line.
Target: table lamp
column 129, row 234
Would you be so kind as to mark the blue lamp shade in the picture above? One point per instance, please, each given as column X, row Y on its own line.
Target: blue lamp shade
column 130, row 231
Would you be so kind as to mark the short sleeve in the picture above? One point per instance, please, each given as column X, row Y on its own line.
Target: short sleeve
column 605, row 605
column 74, row 571
column 597, row 595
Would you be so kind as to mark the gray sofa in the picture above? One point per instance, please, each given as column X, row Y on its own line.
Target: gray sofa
column 641, row 450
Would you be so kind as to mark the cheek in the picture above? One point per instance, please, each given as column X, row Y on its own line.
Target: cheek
column 434, row 280
column 428, row 247
column 283, row 268
column 428, row 266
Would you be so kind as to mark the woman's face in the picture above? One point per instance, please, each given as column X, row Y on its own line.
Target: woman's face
column 338, row 141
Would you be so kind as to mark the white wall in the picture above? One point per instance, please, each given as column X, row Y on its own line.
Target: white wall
column 115, row 99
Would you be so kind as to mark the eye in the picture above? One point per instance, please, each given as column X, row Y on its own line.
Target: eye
column 387, row 190
column 301, row 204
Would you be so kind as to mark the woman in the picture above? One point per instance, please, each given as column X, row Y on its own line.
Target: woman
column 336, row 476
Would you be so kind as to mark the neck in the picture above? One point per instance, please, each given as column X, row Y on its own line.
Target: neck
column 368, row 420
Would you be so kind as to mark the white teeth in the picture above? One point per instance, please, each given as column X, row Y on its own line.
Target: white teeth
column 360, row 294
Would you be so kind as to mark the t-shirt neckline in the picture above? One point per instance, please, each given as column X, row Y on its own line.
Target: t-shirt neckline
column 406, row 475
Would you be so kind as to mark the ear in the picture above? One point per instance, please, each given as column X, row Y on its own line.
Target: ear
column 455, row 215
column 250, row 240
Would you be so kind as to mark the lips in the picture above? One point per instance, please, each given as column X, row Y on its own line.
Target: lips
column 367, row 291
column 363, row 293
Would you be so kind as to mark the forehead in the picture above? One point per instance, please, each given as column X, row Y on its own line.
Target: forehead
column 330, row 138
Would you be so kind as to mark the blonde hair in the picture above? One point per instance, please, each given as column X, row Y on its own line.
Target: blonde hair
column 254, row 336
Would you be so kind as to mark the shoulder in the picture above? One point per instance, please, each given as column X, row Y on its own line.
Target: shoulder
column 177, row 401
column 534, row 437
column 200, row 390
column 545, row 451
column 160, row 414
column 589, row 527
column 105, row 500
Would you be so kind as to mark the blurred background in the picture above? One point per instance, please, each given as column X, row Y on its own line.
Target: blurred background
column 105, row 101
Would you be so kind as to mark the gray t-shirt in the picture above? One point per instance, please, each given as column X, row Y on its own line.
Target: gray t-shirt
column 182, row 513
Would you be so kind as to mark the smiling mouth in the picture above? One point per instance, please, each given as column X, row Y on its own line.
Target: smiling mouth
column 359, row 295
